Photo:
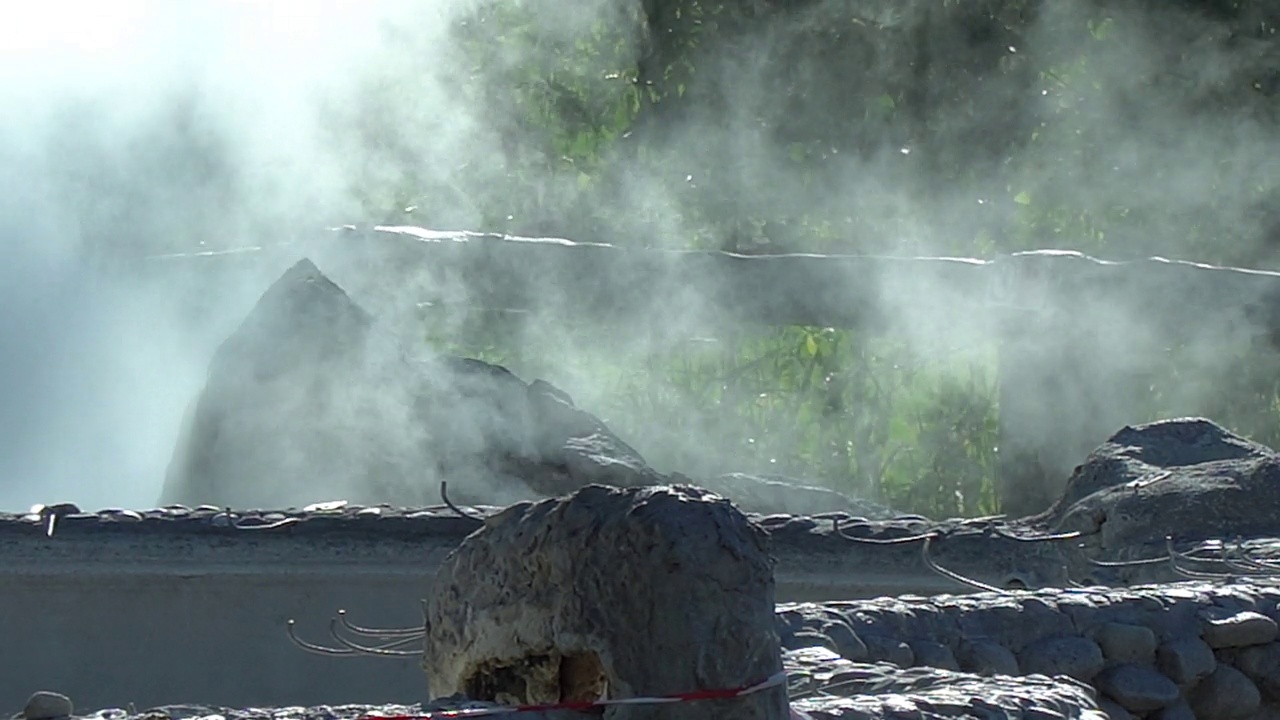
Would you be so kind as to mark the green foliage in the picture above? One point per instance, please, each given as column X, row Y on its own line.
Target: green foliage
column 860, row 413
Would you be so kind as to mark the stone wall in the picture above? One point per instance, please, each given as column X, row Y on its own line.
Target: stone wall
column 1190, row 650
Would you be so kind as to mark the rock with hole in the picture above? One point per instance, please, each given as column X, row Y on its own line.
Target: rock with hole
column 610, row 593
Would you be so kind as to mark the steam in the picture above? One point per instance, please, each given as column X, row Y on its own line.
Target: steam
column 147, row 127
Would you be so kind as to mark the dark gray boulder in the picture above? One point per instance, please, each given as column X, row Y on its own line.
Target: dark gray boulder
column 609, row 593
column 310, row 399
column 1188, row 478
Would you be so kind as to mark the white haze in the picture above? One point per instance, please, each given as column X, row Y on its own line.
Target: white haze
column 99, row 105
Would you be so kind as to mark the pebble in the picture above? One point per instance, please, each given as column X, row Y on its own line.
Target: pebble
column 1238, row 629
column 46, row 705
column 846, row 641
column 986, row 657
column 1126, row 643
column 933, row 654
column 1186, row 660
column 1261, row 664
column 1078, row 657
column 889, row 650
column 1226, row 694
column 1138, row 688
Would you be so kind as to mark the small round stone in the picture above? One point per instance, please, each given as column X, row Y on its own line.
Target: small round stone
column 1126, row 643
column 1081, row 658
column 1239, row 629
column 1226, row 694
column 1186, row 660
column 1138, row 688
column 45, row 705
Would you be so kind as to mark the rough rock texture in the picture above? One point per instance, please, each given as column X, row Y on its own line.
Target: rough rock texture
column 827, row 686
column 311, row 399
column 609, row 592
column 46, row 705
column 1187, row 477
column 1097, row 635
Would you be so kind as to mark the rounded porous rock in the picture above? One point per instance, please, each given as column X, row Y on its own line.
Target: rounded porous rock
column 610, row 593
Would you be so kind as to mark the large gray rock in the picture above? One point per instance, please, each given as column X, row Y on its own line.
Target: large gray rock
column 46, row 705
column 1188, row 478
column 609, row 593
column 311, row 400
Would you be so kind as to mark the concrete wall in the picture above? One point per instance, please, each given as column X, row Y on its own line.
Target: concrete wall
column 109, row 639
column 171, row 618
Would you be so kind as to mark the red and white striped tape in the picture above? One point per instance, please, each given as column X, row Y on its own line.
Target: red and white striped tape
column 772, row 682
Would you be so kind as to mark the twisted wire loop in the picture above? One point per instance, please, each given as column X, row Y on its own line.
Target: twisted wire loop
column 250, row 522
column 1002, row 531
column 1178, row 561
column 835, row 522
column 1246, row 557
column 990, row 526
column 1239, row 562
column 227, row 517
column 953, row 575
column 926, row 540
column 444, row 496
column 376, row 632
column 239, row 524
column 398, row 637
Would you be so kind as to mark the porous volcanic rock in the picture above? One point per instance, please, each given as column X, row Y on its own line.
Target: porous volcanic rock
column 1188, row 478
column 609, row 593
column 309, row 399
